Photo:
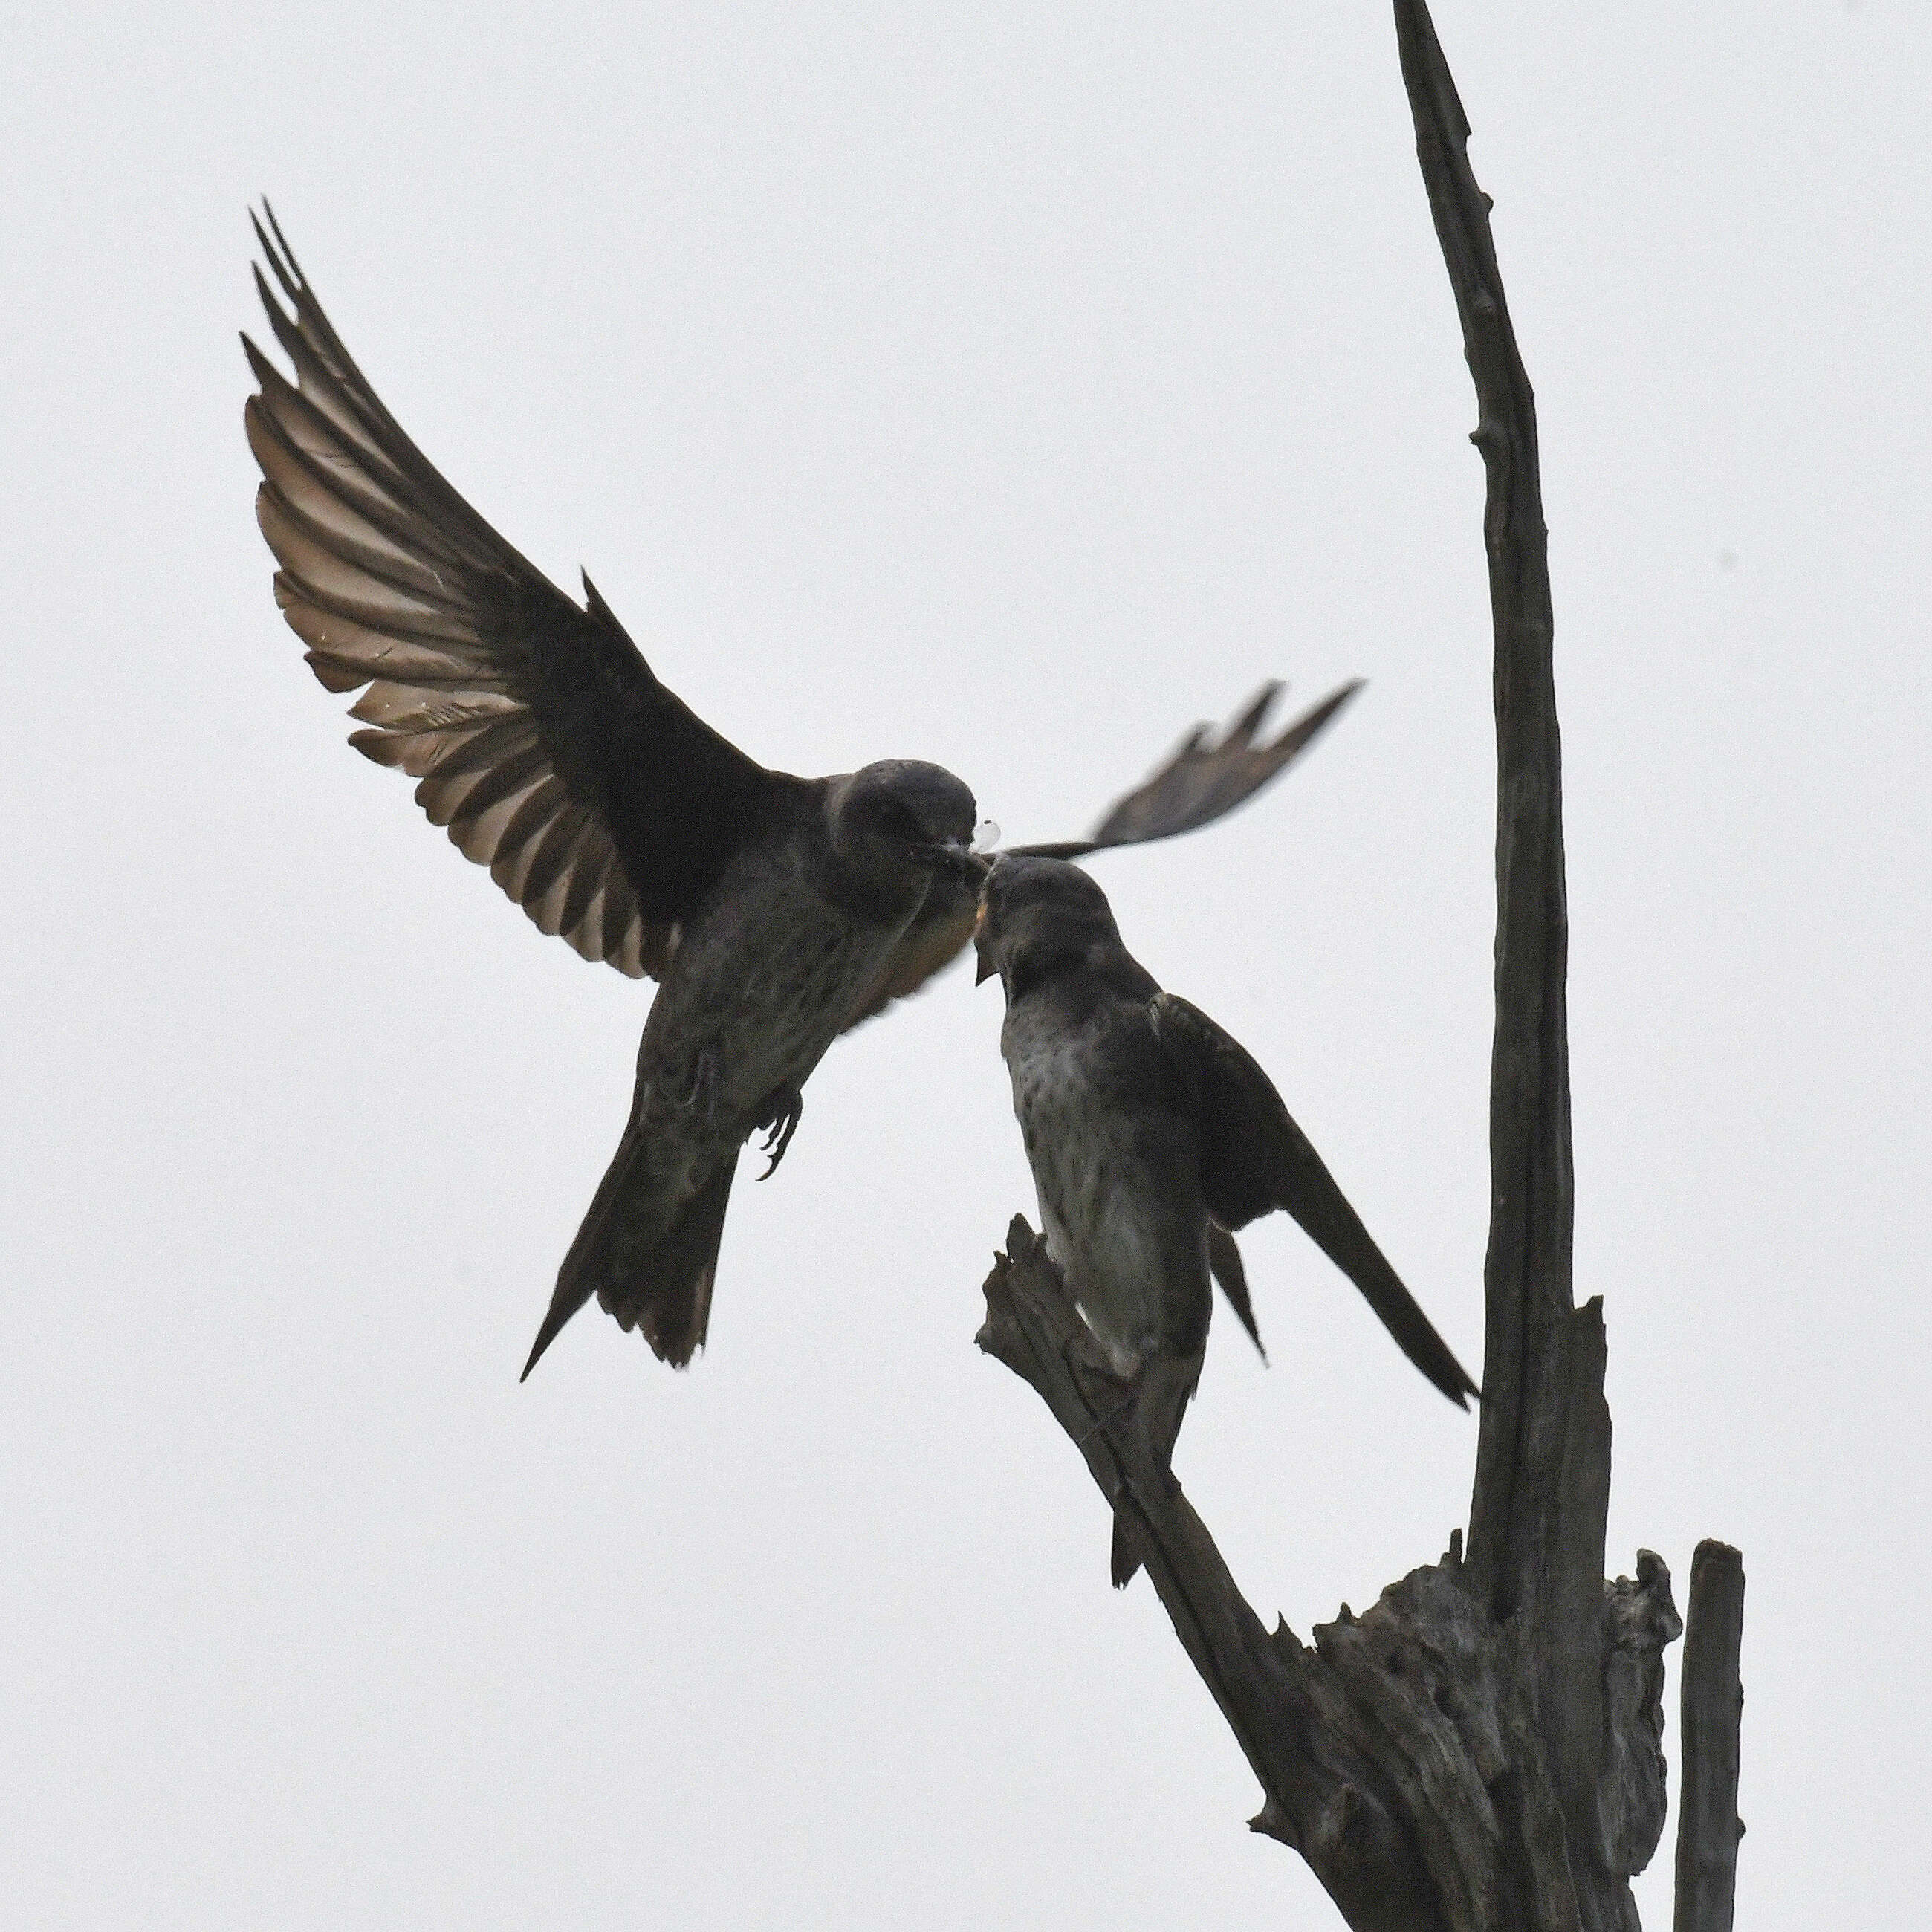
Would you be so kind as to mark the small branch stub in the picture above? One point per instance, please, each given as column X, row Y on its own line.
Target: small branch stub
column 1708, row 1825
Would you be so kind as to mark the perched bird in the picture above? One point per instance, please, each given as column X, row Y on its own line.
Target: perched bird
column 775, row 911
column 1153, row 1135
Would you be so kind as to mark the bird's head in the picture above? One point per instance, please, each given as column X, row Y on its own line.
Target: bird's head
column 1038, row 917
column 898, row 822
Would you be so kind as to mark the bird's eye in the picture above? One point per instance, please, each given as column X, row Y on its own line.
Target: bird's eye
column 900, row 821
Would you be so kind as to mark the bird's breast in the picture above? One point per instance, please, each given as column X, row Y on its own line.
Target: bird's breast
column 763, row 980
column 1118, row 1192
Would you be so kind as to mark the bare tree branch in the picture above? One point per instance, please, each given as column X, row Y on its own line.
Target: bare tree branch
column 1527, row 1369
column 1542, row 1489
column 1402, row 1754
column 1324, row 1797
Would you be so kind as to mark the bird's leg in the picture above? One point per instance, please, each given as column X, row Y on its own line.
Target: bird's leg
column 1122, row 1486
column 703, row 1092
column 783, row 1109
column 1102, row 1423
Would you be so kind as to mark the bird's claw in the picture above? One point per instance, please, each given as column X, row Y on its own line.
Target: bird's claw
column 784, row 1111
column 1102, row 1423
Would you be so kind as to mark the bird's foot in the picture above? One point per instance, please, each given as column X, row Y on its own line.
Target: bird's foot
column 1102, row 1423
column 1080, row 1355
column 783, row 1111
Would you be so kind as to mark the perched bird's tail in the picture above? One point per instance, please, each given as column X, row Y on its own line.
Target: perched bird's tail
column 649, row 1273
column 1166, row 1387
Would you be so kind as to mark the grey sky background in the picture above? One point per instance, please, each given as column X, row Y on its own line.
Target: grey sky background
column 1008, row 387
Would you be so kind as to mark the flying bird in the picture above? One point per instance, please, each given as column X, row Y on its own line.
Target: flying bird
column 775, row 911
column 1153, row 1136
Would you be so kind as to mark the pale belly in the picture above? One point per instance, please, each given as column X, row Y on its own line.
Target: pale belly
column 1126, row 1231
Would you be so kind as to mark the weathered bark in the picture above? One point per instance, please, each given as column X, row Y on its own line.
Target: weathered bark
column 1405, row 1755
column 1708, row 1825
column 1481, row 1751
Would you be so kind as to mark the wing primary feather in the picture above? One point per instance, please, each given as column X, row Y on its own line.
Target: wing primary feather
column 1254, row 1158
column 404, row 706
column 381, row 502
column 1200, row 780
column 1224, row 1258
column 1243, row 730
column 329, row 409
column 344, row 408
column 537, row 731
column 1198, row 783
column 383, row 638
column 426, row 588
column 271, row 252
column 1309, row 1194
column 342, row 393
column 360, row 594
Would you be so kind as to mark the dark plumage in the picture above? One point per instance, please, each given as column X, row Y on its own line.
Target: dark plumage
column 1153, row 1135
column 776, row 911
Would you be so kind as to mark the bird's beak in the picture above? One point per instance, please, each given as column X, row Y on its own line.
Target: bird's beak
column 988, row 967
column 956, row 856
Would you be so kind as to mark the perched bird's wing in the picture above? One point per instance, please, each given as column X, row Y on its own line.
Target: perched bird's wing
column 1201, row 782
column 1255, row 1158
column 539, row 736
column 1224, row 1259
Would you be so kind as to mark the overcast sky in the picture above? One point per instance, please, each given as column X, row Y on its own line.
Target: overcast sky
column 1007, row 386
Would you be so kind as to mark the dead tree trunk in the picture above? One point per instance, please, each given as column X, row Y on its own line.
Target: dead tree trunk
column 1482, row 1751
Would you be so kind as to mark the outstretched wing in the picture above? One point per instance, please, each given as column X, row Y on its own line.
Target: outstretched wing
column 536, row 731
column 1255, row 1158
column 1202, row 782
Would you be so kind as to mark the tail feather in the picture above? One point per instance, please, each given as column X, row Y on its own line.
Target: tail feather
column 667, row 1292
column 1165, row 1385
column 659, row 1279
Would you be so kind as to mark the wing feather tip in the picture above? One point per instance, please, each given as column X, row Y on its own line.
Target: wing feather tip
column 380, row 747
column 335, row 675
